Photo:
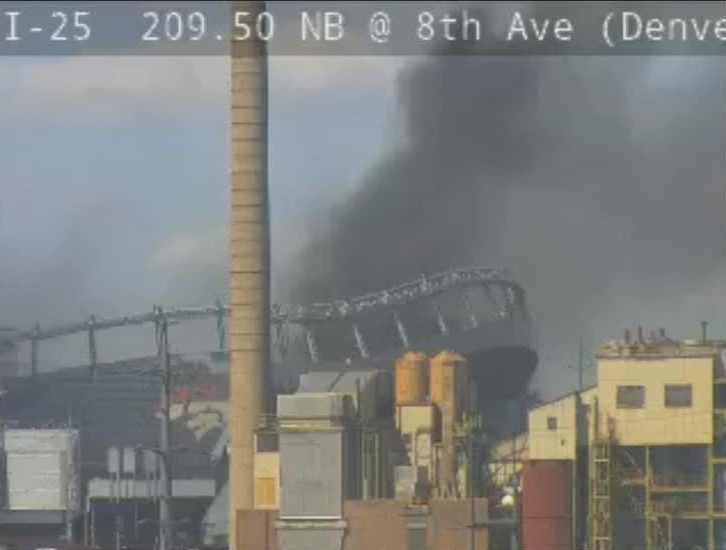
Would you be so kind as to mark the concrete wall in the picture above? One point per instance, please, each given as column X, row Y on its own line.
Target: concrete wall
column 553, row 430
column 587, row 399
column 655, row 424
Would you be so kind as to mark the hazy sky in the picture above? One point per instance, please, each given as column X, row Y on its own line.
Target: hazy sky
column 114, row 183
column 114, row 174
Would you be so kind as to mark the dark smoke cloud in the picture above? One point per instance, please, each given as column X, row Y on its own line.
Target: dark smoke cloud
column 599, row 181
column 414, row 210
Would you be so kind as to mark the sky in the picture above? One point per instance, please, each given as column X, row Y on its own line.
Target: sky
column 114, row 191
column 114, row 172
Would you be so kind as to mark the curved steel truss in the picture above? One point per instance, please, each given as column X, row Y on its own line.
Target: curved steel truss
column 387, row 303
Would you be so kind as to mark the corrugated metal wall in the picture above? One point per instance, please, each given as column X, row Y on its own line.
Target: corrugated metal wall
column 42, row 470
column 547, row 505
column 311, row 474
column 37, row 481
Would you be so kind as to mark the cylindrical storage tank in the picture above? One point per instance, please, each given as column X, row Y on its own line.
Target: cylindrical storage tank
column 447, row 377
column 547, row 505
column 412, row 379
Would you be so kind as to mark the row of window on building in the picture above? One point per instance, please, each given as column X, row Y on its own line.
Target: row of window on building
column 676, row 396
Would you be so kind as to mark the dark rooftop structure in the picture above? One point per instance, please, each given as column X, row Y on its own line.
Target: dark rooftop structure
column 115, row 406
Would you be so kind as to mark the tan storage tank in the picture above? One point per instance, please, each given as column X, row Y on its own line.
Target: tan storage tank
column 412, row 379
column 547, row 505
column 448, row 383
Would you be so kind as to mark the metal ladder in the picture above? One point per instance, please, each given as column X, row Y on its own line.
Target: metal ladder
column 601, row 486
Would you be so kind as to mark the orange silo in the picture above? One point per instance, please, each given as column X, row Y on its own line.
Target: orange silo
column 412, row 379
column 448, row 382
column 447, row 388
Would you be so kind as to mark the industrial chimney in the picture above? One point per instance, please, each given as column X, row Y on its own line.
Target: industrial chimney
column 249, row 261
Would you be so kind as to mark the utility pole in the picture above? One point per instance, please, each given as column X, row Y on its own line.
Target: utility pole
column 514, row 539
column 470, row 454
column 70, row 463
column 165, row 512
column 118, row 527
column 580, row 367
column 472, row 500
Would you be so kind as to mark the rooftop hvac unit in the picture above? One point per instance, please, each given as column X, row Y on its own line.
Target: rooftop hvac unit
column 42, row 469
column 313, row 406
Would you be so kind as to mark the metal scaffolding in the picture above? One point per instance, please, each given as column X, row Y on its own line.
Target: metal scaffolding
column 601, row 484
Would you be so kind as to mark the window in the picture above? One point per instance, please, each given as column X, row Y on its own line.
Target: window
column 631, row 397
column 267, row 442
column 678, row 395
column 551, row 423
column 719, row 396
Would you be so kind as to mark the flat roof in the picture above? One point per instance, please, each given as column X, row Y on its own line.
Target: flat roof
column 660, row 348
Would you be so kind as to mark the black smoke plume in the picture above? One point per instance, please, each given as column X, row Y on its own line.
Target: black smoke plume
column 599, row 181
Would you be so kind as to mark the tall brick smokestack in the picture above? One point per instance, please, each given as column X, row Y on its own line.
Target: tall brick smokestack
column 249, row 261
